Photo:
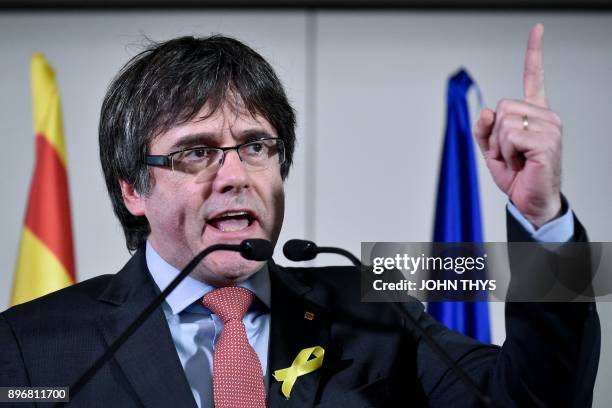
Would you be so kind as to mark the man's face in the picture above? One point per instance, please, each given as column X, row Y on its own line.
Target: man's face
column 190, row 212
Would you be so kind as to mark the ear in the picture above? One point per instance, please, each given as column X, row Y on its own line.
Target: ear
column 133, row 201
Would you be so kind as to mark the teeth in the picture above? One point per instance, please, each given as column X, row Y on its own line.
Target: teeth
column 231, row 221
column 231, row 229
column 233, row 214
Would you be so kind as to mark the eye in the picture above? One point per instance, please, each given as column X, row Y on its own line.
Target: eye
column 197, row 154
column 255, row 148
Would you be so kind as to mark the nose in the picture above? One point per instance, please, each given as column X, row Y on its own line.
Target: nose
column 232, row 175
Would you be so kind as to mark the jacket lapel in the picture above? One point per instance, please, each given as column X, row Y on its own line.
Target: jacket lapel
column 298, row 321
column 148, row 358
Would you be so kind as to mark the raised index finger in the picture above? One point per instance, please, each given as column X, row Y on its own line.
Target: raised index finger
column 533, row 76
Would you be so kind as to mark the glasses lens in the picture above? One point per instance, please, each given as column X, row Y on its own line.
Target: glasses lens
column 197, row 159
column 263, row 153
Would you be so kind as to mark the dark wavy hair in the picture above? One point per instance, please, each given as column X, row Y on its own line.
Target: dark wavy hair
column 167, row 85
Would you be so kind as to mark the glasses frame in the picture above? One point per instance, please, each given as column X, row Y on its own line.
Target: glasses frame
column 167, row 160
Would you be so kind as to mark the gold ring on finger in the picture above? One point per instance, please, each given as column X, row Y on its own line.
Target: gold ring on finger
column 525, row 122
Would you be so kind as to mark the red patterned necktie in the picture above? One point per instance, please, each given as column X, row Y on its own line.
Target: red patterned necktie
column 237, row 376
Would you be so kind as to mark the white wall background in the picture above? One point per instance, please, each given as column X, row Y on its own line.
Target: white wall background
column 369, row 88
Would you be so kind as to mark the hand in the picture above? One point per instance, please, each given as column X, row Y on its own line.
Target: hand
column 525, row 161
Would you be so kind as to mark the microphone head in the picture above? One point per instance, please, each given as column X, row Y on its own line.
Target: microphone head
column 256, row 249
column 299, row 250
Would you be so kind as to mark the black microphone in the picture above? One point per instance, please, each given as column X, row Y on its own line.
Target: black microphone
column 251, row 249
column 298, row 250
column 256, row 249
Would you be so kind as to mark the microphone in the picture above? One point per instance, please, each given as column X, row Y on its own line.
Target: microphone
column 298, row 250
column 251, row 249
column 256, row 249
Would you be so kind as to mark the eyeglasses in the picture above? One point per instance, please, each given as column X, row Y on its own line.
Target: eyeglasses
column 256, row 155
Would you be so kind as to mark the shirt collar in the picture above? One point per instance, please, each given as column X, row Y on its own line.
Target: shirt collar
column 191, row 289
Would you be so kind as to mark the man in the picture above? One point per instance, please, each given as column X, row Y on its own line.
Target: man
column 196, row 138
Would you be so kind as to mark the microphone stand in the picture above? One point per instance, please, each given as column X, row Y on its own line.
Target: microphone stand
column 248, row 251
column 444, row 356
column 343, row 252
column 312, row 250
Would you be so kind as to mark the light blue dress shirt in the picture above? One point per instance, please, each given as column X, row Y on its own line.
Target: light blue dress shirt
column 195, row 329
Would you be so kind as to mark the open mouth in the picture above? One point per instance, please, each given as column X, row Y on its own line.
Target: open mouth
column 232, row 221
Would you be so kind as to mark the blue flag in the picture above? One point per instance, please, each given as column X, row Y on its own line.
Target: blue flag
column 458, row 206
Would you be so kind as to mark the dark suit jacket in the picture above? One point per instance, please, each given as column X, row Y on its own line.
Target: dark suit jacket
column 372, row 356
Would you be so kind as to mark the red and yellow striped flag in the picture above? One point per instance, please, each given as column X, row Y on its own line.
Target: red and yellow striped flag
column 45, row 261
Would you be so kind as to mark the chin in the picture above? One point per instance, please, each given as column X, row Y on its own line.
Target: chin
column 227, row 268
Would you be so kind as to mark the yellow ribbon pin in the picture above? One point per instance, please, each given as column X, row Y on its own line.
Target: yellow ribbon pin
column 300, row 366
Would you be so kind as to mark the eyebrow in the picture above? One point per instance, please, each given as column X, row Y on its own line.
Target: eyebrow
column 252, row 134
column 194, row 139
column 212, row 139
